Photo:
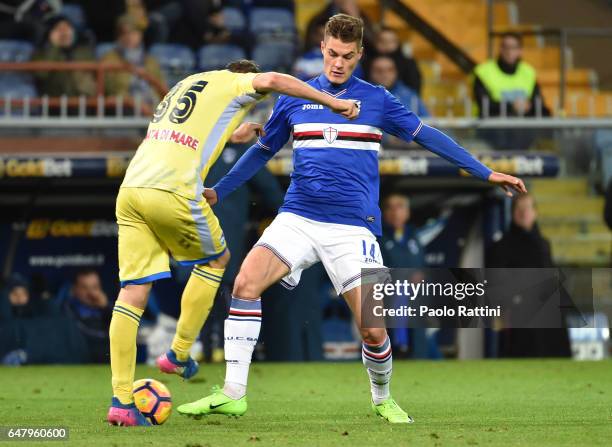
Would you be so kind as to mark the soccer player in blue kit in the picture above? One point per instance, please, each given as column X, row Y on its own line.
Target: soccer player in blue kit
column 330, row 213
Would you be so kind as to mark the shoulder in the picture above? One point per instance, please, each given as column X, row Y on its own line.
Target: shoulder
column 527, row 68
column 366, row 86
column 485, row 66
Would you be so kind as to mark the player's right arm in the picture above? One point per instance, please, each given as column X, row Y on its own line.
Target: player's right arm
column 288, row 85
column 274, row 136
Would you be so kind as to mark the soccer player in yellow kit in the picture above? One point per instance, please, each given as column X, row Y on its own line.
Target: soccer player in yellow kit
column 161, row 212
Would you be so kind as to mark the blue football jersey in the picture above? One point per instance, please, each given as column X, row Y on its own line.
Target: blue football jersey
column 335, row 160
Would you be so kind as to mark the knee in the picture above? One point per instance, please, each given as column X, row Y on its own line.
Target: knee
column 222, row 261
column 245, row 287
column 373, row 336
column 135, row 295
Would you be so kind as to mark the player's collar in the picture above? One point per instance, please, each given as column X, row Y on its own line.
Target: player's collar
column 333, row 88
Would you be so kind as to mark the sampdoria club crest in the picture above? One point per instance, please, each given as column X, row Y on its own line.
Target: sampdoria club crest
column 330, row 134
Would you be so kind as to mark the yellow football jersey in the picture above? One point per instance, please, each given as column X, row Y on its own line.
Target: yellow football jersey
column 189, row 129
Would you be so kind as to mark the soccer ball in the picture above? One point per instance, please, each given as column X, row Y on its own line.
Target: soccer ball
column 153, row 400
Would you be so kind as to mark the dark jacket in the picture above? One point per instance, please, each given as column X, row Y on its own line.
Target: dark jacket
column 527, row 249
column 520, row 248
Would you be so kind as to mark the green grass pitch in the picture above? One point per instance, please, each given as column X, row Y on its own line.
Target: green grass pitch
column 530, row 402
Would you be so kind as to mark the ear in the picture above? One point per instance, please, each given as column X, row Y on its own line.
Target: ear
column 323, row 47
column 360, row 53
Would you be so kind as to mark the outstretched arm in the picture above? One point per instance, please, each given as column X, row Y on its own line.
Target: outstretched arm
column 404, row 124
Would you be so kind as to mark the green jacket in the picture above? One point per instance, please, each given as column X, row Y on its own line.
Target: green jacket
column 58, row 83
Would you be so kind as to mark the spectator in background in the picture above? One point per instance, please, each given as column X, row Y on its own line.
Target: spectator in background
column 310, row 63
column 401, row 247
column 383, row 71
column 508, row 80
column 63, row 44
column 349, row 7
column 18, row 301
column 130, row 49
column 387, row 43
column 522, row 246
column 90, row 307
column 194, row 23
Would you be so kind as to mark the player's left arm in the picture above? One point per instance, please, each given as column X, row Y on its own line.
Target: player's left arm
column 274, row 136
column 404, row 124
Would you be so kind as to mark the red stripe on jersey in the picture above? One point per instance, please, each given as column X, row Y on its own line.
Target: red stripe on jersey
column 360, row 135
column 311, row 133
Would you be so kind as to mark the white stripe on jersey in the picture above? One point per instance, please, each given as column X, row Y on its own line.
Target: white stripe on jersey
column 361, row 128
column 338, row 144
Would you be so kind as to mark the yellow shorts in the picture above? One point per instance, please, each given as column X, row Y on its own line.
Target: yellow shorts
column 156, row 224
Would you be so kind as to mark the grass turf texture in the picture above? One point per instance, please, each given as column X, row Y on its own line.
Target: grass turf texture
column 531, row 402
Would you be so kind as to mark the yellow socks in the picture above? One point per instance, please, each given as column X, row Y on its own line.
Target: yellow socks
column 196, row 302
column 123, row 329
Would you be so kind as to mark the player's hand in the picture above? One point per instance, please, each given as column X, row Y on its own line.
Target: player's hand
column 210, row 195
column 246, row 132
column 345, row 107
column 508, row 183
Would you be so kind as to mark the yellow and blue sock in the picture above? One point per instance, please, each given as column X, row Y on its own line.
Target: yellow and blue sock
column 196, row 303
column 123, row 329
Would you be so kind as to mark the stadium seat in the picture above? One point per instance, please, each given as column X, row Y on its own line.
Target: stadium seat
column 233, row 19
column 216, row 56
column 274, row 55
column 176, row 61
column 16, row 86
column 103, row 48
column 271, row 22
column 15, row 50
column 75, row 14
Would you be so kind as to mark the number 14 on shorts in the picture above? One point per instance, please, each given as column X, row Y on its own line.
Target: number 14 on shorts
column 372, row 251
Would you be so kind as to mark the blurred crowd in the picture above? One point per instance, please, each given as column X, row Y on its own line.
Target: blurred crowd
column 169, row 39
column 71, row 324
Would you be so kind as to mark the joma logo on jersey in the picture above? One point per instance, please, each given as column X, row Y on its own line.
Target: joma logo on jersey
column 330, row 134
column 312, row 107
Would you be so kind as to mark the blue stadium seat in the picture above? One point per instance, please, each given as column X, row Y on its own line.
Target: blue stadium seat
column 75, row 14
column 176, row 61
column 274, row 55
column 16, row 86
column 233, row 19
column 216, row 56
column 15, row 51
column 267, row 22
column 103, row 48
